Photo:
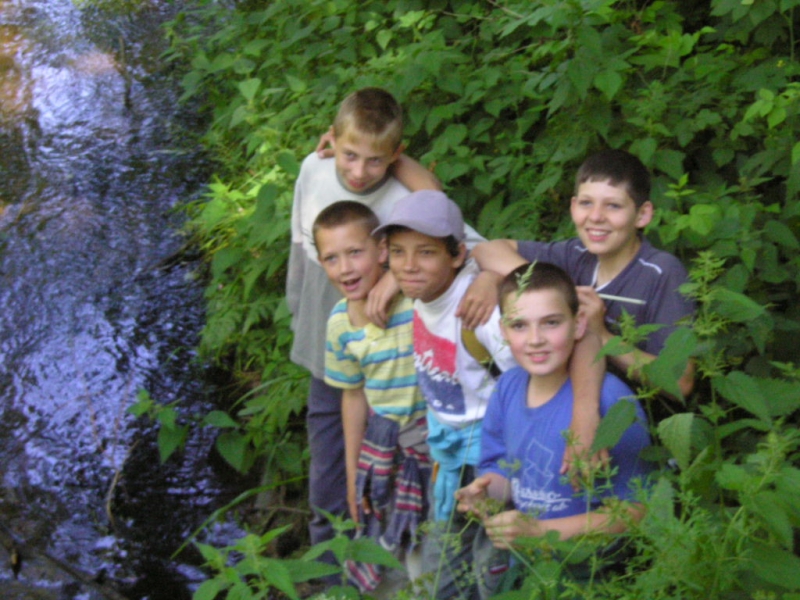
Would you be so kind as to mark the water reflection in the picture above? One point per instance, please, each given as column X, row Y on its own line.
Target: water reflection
column 89, row 315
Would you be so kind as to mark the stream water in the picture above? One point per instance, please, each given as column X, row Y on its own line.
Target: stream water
column 92, row 310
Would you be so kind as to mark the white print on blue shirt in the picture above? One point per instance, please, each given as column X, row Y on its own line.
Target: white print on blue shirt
column 530, row 491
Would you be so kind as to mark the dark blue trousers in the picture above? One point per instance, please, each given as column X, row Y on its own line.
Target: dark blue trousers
column 327, row 478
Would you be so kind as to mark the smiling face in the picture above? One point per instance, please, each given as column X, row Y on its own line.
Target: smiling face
column 422, row 265
column 607, row 221
column 352, row 259
column 541, row 331
column 361, row 163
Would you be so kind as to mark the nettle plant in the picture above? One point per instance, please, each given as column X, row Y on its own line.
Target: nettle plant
column 504, row 100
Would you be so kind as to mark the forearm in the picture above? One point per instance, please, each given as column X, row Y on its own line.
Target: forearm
column 354, row 421
column 598, row 521
column 413, row 175
column 586, row 372
column 499, row 256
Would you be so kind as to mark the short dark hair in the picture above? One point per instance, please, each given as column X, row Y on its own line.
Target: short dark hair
column 345, row 212
column 539, row 276
column 372, row 111
column 619, row 168
column 451, row 244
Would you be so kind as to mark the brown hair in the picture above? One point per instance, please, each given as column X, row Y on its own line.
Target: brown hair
column 345, row 212
column 374, row 112
column 539, row 276
column 620, row 168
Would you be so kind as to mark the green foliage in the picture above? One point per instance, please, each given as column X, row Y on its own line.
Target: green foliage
column 243, row 572
column 504, row 100
column 171, row 433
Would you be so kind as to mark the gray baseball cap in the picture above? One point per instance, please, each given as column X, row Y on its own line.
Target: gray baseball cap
column 429, row 212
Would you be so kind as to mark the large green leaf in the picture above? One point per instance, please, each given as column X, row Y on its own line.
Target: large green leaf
column 744, row 391
column 735, row 306
column 676, row 434
column 668, row 367
column 776, row 566
column 615, row 422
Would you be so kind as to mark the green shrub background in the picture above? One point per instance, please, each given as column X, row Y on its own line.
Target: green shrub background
column 504, row 99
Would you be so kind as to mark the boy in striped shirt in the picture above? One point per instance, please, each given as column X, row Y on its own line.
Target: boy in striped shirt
column 383, row 412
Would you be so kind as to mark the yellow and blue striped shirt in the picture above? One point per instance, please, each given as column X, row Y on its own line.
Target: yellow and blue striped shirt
column 380, row 360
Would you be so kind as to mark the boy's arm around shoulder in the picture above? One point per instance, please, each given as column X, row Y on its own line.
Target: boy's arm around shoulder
column 413, row 175
column 500, row 256
column 586, row 371
column 480, row 300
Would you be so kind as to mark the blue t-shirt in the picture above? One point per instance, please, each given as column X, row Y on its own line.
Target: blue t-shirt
column 653, row 276
column 526, row 445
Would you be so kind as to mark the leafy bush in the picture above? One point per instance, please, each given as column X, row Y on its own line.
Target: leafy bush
column 504, row 100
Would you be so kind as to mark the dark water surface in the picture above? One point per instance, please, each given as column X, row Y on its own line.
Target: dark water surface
column 91, row 308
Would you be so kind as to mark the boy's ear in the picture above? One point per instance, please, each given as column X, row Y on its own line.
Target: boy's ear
column 644, row 215
column 458, row 261
column 397, row 152
column 581, row 325
column 383, row 250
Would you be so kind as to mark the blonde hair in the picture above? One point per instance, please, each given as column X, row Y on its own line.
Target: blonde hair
column 373, row 112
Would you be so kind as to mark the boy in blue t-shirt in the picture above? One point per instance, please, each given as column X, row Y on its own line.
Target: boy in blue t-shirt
column 523, row 443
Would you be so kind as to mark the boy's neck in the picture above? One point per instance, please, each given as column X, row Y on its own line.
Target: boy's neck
column 542, row 389
column 357, row 313
column 608, row 267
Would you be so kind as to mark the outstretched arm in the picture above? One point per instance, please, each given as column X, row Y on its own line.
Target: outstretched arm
column 499, row 256
column 505, row 528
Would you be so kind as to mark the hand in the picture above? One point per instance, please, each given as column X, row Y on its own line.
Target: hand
column 479, row 300
column 380, row 299
column 504, row 528
column 366, row 505
column 472, row 498
column 593, row 307
column 326, row 144
column 352, row 502
column 577, row 462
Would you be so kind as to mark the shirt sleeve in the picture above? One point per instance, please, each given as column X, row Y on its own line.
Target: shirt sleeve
column 296, row 268
column 667, row 305
column 493, row 448
column 473, row 237
column 342, row 368
column 294, row 277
